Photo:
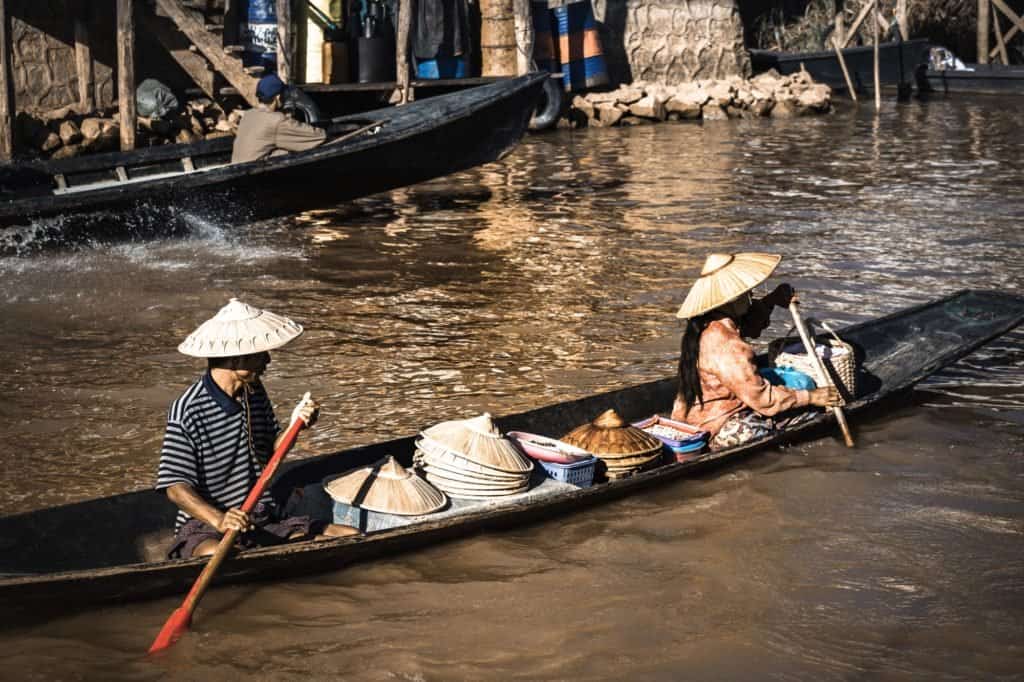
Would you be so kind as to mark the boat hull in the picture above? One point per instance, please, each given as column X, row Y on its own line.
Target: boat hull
column 982, row 79
column 897, row 63
column 897, row 351
column 416, row 142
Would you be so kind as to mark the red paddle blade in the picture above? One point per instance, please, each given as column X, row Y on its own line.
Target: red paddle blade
column 174, row 628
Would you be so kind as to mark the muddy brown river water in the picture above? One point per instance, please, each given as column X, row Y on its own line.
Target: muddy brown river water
column 554, row 274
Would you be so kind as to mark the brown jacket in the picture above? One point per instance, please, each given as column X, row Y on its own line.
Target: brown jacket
column 262, row 132
column 730, row 382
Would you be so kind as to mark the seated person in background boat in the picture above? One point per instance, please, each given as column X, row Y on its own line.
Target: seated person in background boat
column 222, row 431
column 266, row 131
column 720, row 389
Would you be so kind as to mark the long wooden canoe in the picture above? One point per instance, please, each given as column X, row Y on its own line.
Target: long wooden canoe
column 986, row 79
column 70, row 556
column 412, row 143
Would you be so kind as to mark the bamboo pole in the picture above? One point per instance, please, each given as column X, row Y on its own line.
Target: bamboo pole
column 846, row 72
column 83, row 65
column 285, row 55
column 402, row 51
column 7, row 104
column 983, row 10
column 839, row 35
column 126, row 72
column 878, row 80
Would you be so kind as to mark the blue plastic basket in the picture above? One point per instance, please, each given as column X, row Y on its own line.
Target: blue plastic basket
column 580, row 474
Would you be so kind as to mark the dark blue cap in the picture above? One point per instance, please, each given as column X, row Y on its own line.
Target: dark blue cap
column 269, row 86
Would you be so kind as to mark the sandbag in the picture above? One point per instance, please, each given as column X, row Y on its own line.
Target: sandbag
column 153, row 99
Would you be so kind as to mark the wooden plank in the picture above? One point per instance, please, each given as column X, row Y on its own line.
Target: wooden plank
column 285, row 41
column 126, row 72
column 1018, row 24
column 83, row 65
column 402, row 51
column 180, row 49
column 983, row 9
column 7, row 104
column 212, row 48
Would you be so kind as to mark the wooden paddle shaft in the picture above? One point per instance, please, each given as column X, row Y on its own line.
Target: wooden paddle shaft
column 823, row 376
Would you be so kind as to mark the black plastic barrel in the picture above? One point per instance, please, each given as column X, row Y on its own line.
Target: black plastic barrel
column 375, row 59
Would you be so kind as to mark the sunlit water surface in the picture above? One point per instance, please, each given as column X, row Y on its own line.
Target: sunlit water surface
column 555, row 274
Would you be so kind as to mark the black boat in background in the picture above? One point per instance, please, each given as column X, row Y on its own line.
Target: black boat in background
column 982, row 79
column 53, row 562
column 365, row 153
column 897, row 64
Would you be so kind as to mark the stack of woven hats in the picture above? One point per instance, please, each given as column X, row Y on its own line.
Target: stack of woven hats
column 622, row 448
column 469, row 458
column 371, row 497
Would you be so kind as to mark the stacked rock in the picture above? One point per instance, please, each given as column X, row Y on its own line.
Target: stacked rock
column 622, row 448
column 470, row 458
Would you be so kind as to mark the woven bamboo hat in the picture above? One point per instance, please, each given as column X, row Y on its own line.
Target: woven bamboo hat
column 386, row 486
column 724, row 278
column 480, row 441
column 239, row 329
column 612, row 437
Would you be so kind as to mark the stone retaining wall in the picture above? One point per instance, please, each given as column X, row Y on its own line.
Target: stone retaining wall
column 672, row 41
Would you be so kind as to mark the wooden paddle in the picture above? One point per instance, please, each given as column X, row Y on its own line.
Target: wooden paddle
column 823, row 376
column 180, row 619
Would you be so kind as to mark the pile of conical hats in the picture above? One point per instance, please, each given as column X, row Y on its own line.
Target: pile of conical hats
column 469, row 458
column 387, row 487
column 624, row 449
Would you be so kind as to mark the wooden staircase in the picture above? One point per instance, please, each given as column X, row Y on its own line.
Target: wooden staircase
column 194, row 32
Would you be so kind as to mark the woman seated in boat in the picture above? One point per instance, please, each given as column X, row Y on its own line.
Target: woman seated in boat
column 222, row 431
column 720, row 389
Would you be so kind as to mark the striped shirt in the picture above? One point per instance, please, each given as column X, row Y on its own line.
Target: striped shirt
column 207, row 444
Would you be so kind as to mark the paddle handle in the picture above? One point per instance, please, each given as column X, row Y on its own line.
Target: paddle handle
column 823, row 377
column 180, row 618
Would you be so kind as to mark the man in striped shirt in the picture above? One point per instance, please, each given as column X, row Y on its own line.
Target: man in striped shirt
column 222, row 431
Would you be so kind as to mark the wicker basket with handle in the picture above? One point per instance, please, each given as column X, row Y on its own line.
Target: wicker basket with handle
column 841, row 363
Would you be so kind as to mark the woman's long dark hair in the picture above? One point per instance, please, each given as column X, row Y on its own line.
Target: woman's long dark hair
column 689, row 352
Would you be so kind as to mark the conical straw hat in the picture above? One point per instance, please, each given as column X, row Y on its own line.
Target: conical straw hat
column 450, row 462
column 726, row 277
column 239, row 329
column 610, row 437
column 479, row 440
column 387, row 487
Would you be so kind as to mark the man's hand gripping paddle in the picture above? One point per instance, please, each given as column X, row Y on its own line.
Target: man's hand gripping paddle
column 180, row 619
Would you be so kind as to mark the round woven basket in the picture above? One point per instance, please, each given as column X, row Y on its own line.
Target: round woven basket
column 842, row 363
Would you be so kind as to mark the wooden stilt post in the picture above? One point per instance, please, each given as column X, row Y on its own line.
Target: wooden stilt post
column 878, row 80
column 983, row 28
column 83, row 62
column 126, row 71
column 6, row 87
column 285, row 41
column 524, row 36
column 402, row 51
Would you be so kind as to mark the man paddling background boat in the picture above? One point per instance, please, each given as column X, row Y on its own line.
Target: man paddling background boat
column 267, row 131
column 221, row 432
